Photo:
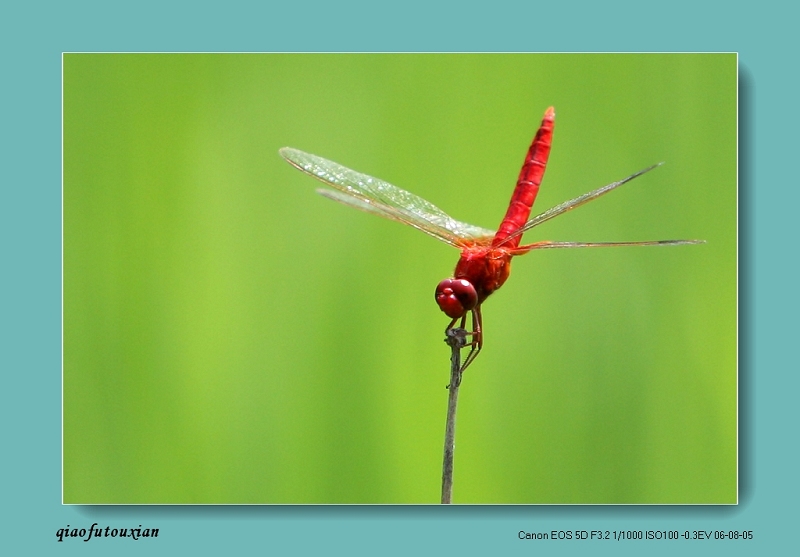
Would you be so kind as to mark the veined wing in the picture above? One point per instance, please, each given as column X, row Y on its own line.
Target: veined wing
column 552, row 245
column 576, row 202
column 382, row 198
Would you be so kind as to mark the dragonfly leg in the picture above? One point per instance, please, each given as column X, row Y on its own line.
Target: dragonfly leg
column 477, row 338
column 450, row 326
column 476, row 333
column 460, row 326
column 456, row 339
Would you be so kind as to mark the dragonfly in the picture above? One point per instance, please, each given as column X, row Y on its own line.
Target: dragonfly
column 485, row 261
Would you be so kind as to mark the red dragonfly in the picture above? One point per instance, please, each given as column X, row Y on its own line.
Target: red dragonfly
column 485, row 255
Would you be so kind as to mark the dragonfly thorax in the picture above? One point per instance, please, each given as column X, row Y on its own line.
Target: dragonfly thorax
column 456, row 297
column 485, row 269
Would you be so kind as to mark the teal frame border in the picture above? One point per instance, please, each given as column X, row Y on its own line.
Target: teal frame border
column 31, row 222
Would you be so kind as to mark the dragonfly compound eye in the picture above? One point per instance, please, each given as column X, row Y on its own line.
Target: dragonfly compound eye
column 456, row 297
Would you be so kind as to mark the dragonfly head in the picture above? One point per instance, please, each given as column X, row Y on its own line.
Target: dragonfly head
column 456, row 297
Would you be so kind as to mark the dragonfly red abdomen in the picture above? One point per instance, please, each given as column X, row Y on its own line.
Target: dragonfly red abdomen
column 530, row 177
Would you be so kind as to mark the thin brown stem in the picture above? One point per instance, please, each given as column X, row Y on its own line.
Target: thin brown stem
column 456, row 340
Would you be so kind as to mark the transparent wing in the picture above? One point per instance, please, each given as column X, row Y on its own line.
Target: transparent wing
column 552, row 245
column 382, row 198
column 576, row 202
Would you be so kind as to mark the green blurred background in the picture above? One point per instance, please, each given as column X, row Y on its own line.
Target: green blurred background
column 231, row 337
